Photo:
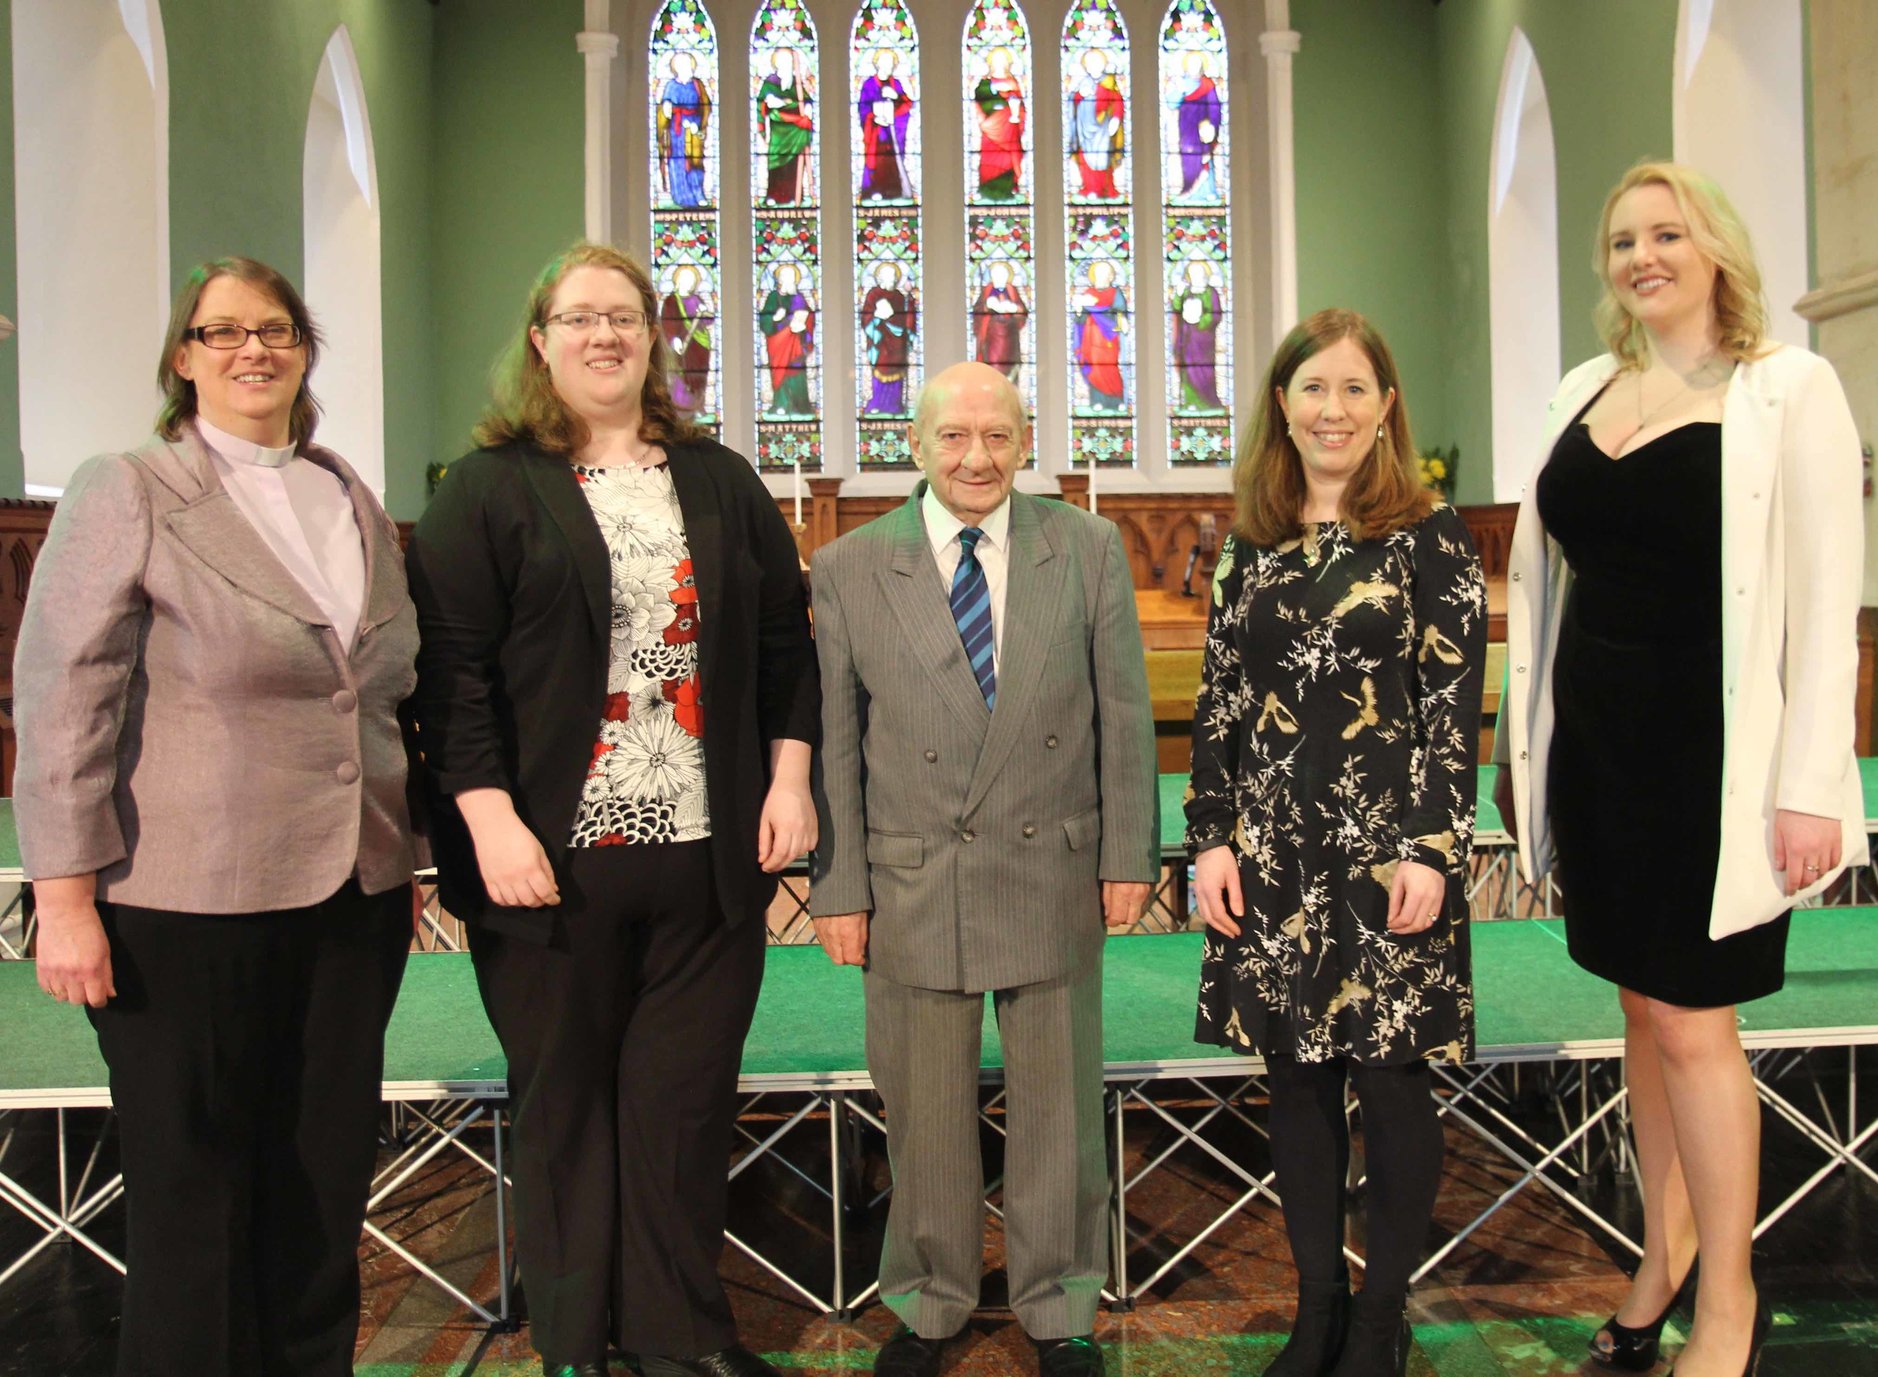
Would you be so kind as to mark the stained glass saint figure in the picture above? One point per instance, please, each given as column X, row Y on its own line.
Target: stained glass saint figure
column 788, row 323
column 684, row 113
column 786, row 111
column 685, row 319
column 1197, row 122
column 999, row 314
column 1101, row 317
column 1096, row 120
column 884, row 110
column 1197, row 312
column 887, row 324
column 1001, row 114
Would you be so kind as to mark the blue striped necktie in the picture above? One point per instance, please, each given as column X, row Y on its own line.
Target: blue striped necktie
column 971, row 609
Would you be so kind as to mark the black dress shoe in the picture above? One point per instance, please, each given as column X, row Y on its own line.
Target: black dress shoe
column 735, row 1361
column 1068, row 1358
column 908, row 1355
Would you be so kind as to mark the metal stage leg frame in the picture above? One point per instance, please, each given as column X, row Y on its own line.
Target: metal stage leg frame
column 407, row 1164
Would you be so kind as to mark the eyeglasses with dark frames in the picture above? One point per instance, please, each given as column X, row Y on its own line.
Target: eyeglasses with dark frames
column 582, row 322
column 276, row 334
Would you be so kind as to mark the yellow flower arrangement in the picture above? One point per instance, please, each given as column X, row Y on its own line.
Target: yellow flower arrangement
column 1438, row 468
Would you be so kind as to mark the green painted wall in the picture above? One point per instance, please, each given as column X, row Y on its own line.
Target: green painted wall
column 1607, row 66
column 235, row 177
column 1394, row 103
column 1371, row 179
column 508, row 174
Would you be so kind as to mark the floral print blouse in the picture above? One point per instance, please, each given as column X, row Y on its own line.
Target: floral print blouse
column 646, row 782
column 1334, row 738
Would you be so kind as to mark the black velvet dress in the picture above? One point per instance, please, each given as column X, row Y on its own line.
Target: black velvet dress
column 1635, row 773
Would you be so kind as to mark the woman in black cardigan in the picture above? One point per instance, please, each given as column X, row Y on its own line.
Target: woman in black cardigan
column 617, row 700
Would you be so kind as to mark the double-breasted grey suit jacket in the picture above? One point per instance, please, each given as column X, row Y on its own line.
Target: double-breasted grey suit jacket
column 190, row 727
column 977, row 838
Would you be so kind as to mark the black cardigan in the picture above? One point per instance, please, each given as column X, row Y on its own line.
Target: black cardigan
column 511, row 579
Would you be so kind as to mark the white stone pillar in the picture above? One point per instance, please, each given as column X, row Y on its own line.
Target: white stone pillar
column 1279, row 43
column 598, row 46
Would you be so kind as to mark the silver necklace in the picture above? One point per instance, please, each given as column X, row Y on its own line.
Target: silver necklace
column 1688, row 384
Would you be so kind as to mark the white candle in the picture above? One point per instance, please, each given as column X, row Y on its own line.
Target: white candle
column 795, row 483
column 1092, row 485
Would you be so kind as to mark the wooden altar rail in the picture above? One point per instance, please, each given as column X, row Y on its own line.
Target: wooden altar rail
column 1159, row 530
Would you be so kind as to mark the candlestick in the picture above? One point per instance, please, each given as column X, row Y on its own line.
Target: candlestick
column 1092, row 483
column 795, row 482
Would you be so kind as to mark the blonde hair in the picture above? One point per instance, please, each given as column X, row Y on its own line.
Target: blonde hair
column 1384, row 495
column 1718, row 234
column 525, row 407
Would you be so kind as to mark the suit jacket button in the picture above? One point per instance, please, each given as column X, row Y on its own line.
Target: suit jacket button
column 931, row 756
column 1030, row 829
column 1050, row 741
column 347, row 773
column 345, row 700
column 968, row 836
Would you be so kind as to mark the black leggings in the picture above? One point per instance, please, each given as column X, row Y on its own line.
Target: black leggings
column 1311, row 1151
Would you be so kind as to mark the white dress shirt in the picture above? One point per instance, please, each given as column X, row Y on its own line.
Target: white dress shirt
column 993, row 551
column 304, row 514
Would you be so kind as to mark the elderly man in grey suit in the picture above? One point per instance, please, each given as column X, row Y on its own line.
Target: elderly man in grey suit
column 987, row 799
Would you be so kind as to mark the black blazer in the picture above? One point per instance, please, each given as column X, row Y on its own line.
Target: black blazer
column 511, row 579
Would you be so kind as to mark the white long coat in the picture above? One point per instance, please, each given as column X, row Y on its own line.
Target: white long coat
column 1792, row 563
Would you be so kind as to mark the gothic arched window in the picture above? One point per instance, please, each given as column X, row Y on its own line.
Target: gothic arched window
column 1000, row 193
column 884, row 114
column 682, row 85
column 1196, row 234
column 786, row 229
column 1099, row 235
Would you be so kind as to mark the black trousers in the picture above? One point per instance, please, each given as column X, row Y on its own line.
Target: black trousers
column 1311, row 1151
column 246, row 1055
column 624, row 1036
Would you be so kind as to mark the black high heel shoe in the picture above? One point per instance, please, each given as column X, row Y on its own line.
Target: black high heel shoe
column 1757, row 1338
column 1635, row 1349
column 1316, row 1333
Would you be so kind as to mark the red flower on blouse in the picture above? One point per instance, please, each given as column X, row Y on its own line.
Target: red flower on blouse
column 686, row 697
column 684, row 627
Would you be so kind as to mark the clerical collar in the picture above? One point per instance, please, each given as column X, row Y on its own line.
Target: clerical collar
column 239, row 451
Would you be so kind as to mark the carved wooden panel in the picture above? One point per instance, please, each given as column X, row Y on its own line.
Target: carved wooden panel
column 1491, row 526
column 23, row 523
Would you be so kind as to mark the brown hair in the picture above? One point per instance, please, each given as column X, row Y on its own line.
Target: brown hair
column 179, row 393
column 1384, row 495
column 1718, row 235
column 526, row 408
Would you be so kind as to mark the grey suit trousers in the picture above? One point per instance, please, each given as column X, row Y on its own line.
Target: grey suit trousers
column 923, row 1049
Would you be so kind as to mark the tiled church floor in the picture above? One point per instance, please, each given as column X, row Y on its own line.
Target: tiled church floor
column 1519, row 1297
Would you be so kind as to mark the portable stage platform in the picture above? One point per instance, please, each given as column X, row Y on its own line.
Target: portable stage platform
column 805, row 1072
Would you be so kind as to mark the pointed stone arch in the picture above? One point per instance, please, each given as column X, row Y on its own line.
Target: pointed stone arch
column 340, row 217
column 1739, row 112
column 91, row 90
column 1523, row 266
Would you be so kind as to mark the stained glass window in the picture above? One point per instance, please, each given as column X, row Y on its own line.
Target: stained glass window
column 1000, row 270
column 681, row 59
column 1196, row 234
column 785, row 193
column 1099, row 235
column 884, row 115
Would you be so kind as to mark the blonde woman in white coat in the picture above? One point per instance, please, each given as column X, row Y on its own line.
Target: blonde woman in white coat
column 1677, row 731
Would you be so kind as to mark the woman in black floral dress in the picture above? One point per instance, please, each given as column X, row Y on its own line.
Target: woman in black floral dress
column 1332, row 812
